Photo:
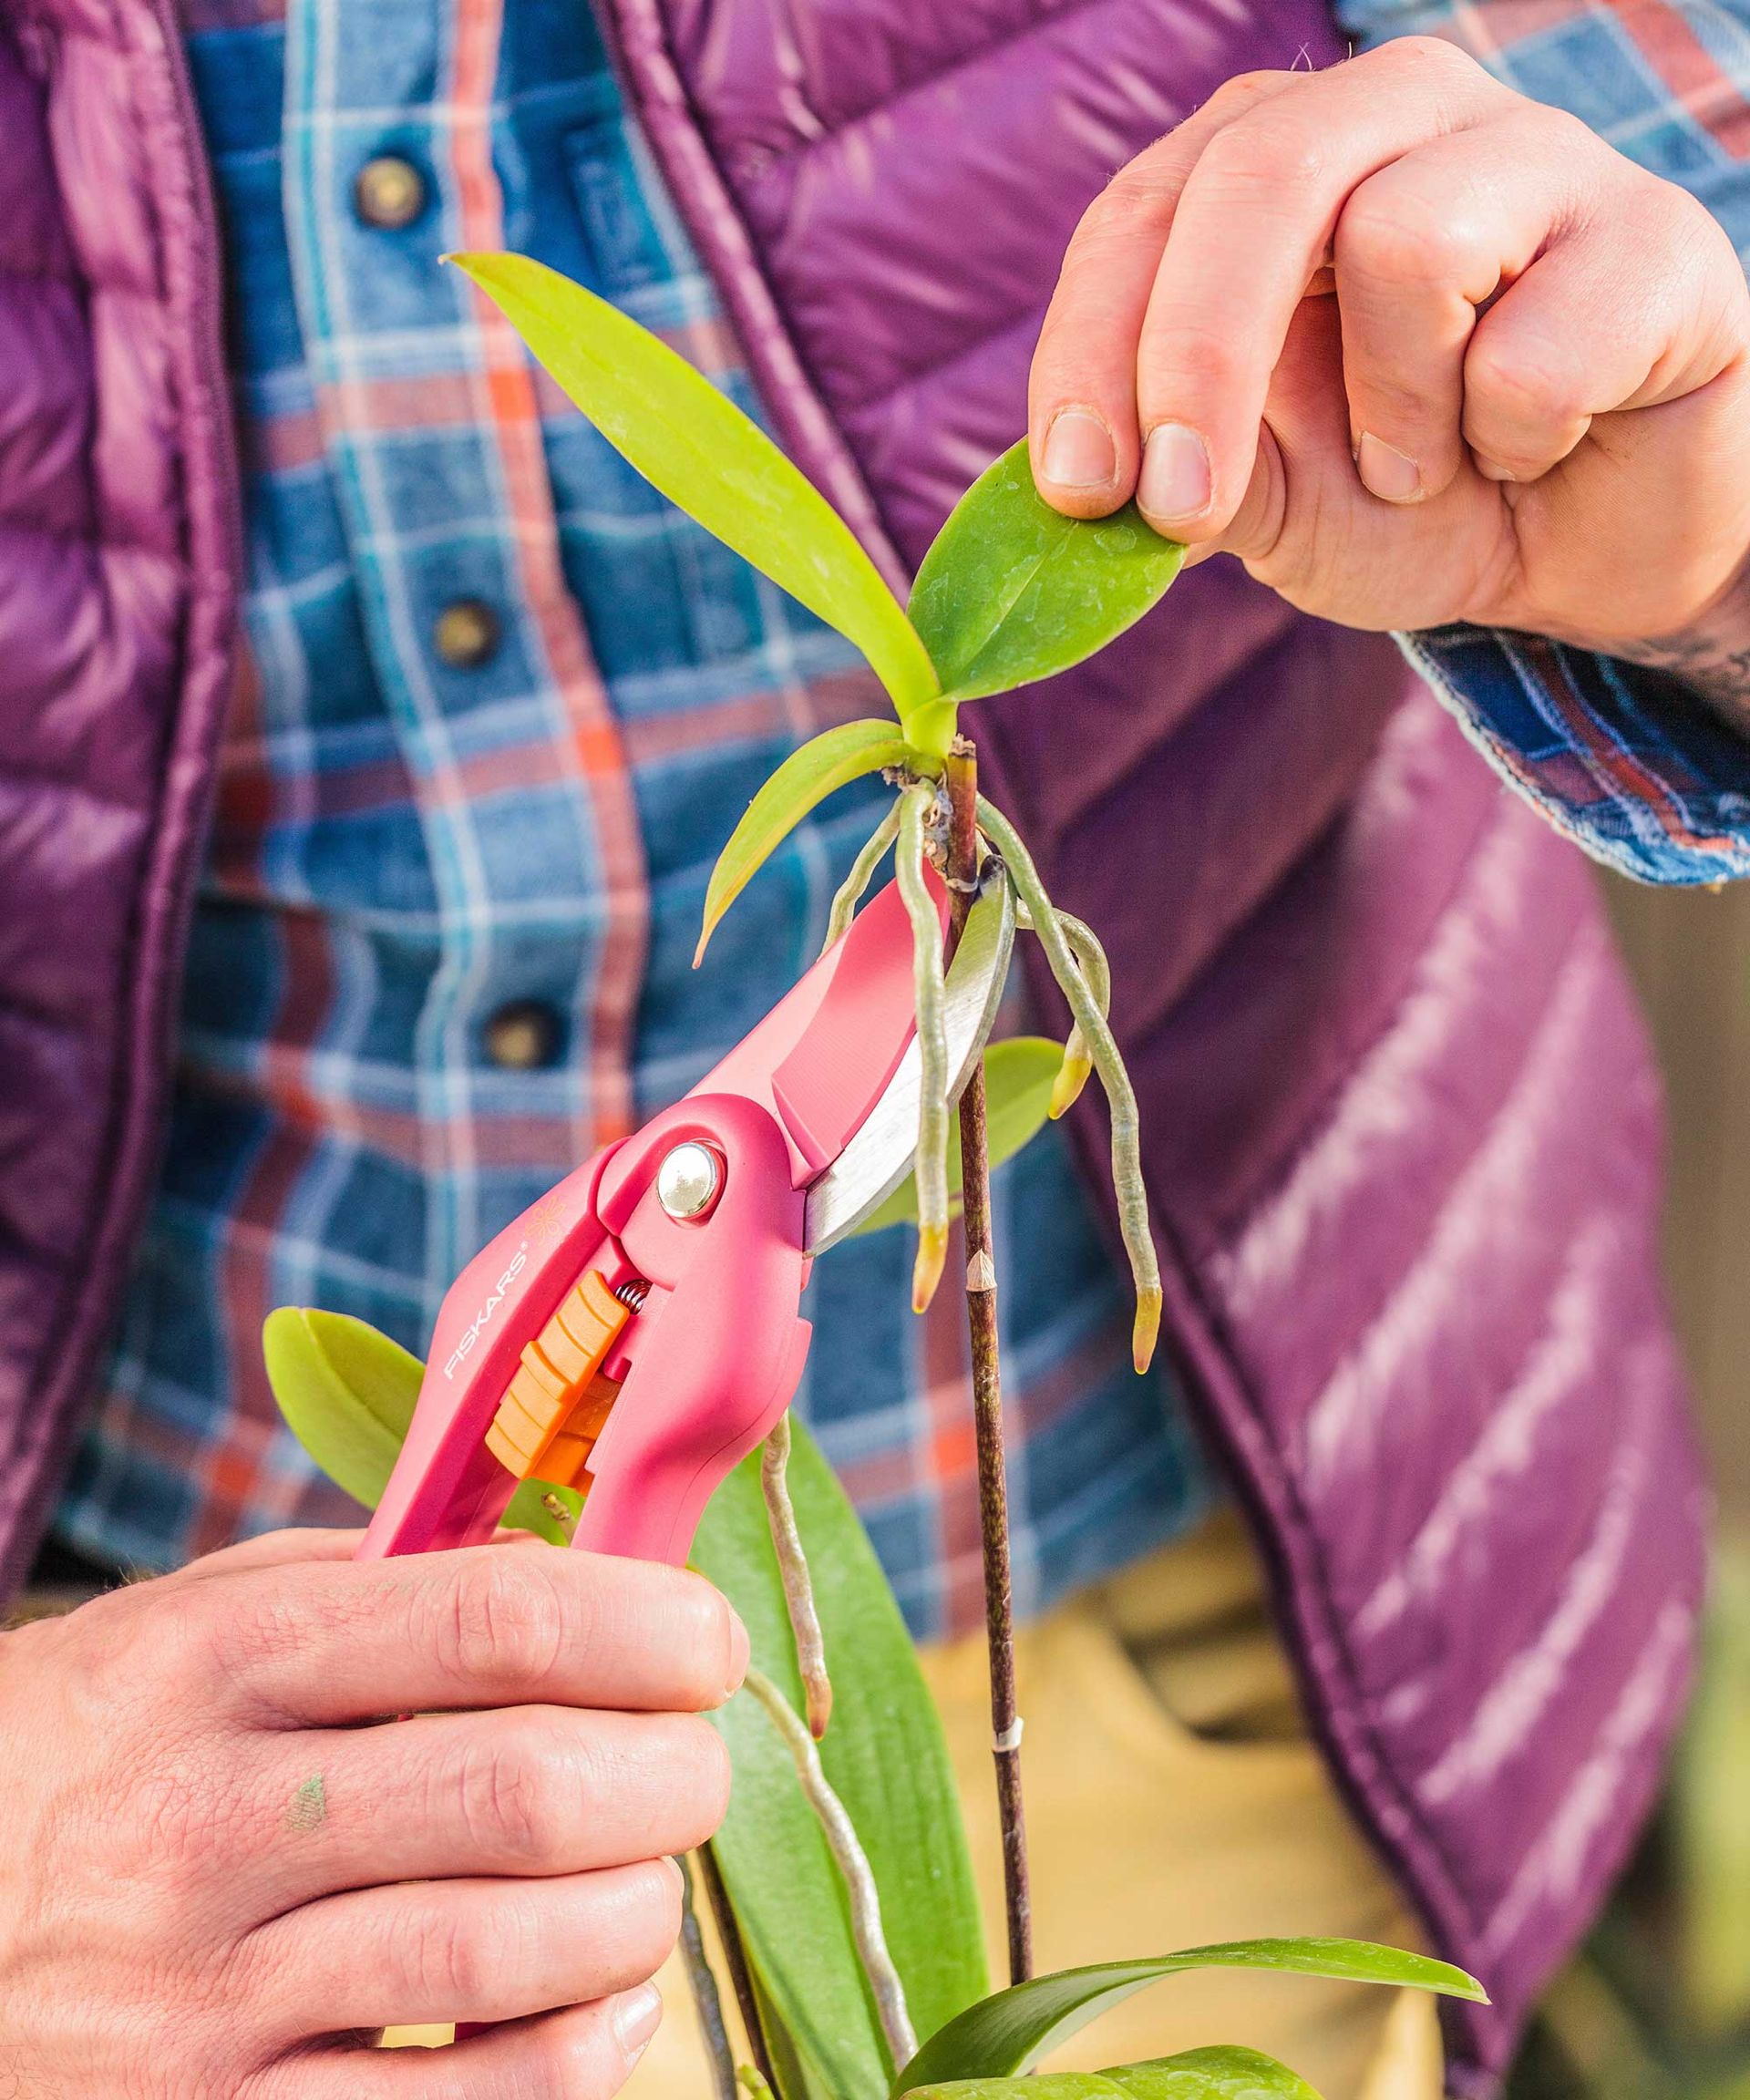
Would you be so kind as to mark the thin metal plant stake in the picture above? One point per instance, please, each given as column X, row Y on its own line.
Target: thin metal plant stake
column 962, row 779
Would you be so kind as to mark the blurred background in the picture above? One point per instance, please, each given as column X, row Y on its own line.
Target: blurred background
column 1657, row 2006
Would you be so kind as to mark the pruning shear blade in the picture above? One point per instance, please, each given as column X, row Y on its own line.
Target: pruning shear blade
column 882, row 1153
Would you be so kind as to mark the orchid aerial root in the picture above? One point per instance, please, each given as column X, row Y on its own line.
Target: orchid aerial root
column 850, row 891
column 1121, row 1099
column 793, row 1571
column 852, row 1862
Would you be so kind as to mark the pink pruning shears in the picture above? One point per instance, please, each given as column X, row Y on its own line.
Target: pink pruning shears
column 636, row 1332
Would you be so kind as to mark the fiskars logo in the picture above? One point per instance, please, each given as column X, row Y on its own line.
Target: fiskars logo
column 471, row 1332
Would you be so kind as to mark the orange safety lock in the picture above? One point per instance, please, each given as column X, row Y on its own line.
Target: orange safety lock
column 557, row 1403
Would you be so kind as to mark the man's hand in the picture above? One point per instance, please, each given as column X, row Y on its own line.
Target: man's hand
column 1417, row 350
column 223, row 1865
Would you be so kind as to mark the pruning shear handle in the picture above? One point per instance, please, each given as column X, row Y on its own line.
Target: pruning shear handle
column 637, row 1331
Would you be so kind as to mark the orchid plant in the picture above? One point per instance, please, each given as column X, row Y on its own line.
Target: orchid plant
column 840, row 1881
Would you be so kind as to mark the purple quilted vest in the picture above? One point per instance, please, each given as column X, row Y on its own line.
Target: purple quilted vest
column 1401, row 1126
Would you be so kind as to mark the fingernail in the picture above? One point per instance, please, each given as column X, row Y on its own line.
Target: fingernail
column 1391, row 475
column 740, row 1653
column 1079, row 451
column 637, row 2014
column 1174, row 485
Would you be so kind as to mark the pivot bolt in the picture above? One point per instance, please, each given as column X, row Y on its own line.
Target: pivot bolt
column 688, row 1180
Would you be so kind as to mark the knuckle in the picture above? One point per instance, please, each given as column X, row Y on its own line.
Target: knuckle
column 1136, row 204
column 1401, row 238
column 511, row 1794
column 1434, row 58
column 449, row 1956
column 1526, row 387
column 501, row 1623
column 1189, row 349
column 576, row 2059
column 1240, row 91
column 1566, row 134
column 1273, row 155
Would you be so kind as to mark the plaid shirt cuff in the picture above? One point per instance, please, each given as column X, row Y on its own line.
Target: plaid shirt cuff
column 1628, row 763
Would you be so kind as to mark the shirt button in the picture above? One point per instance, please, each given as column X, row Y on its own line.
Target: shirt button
column 390, row 192
column 524, row 1036
column 466, row 634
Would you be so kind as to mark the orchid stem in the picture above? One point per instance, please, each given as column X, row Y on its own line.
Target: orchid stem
column 963, row 869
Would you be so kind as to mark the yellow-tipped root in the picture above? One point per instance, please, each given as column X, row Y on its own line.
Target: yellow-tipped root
column 1145, row 1332
column 1090, row 960
column 927, row 1270
column 1071, row 1077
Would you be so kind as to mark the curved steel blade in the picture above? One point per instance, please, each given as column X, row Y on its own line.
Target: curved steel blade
column 879, row 1157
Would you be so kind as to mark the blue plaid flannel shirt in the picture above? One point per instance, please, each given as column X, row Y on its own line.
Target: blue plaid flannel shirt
column 414, row 855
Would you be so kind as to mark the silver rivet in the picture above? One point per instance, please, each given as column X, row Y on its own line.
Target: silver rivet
column 688, row 1180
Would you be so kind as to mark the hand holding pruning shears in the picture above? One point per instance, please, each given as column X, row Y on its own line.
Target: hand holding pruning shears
column 229, row 1863
column 225, row 1865
column 1417, row 350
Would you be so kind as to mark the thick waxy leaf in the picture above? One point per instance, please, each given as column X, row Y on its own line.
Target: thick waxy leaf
column 347, row 1395
column 696, row 446
column 1012, row 592
column 811, row 773
column 790, row 2074
column 1007, row 2033
column 886, row 1758
column 1019, row 1076
column 1220, row 2074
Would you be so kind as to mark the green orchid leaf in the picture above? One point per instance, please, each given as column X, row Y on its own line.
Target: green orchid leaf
column 1217, row 2073
column 1007, row 2033
column 790, row 2074
column 811, row 772
column 692, row 444
column 1019, row 1075
column 886, row 1757
column 1012, row 592
column 347, row 1395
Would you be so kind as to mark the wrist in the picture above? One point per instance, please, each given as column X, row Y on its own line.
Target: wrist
column 1710, row 653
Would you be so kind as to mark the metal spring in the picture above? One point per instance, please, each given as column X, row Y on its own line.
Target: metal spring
column 633, row 1293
